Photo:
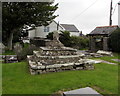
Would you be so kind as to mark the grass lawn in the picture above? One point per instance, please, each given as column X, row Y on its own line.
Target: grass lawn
column 8, row 52
column 17, row 80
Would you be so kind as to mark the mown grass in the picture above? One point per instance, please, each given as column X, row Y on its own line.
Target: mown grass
column 9, row 52
column 17, row 80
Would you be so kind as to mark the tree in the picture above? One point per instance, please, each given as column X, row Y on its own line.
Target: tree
column 17, row 14
column 114, row 40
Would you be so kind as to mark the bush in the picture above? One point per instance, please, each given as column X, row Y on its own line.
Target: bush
column 114, row 40
column 65, row 38
column 50, row 36
column 72, row 41
column 79, row 42
column 26, row 51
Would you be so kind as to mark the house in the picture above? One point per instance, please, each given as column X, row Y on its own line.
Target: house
column 99, row 38
column 72, row 29
column 43, row 31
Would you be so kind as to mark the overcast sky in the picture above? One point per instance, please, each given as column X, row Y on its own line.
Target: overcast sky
column 86, row 14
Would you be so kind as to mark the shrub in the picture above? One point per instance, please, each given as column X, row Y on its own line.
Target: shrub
column 114, row 40
column 26, row 51
column 65, row 38
column 50, row 36
column 72, row 41
column 79, row 42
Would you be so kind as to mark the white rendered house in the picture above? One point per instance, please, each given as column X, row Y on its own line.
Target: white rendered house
column 43, row 31
column 72, row 29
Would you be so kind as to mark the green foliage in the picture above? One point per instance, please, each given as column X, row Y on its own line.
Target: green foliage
column 26, row 45
column 8, row 52
column 72, row 41
column 50, row 36
column 65, row 38
column 79, row 42
column 27, row 50
column 104, row 78
column 115, row 40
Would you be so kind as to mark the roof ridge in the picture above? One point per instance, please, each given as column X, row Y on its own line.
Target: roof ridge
column 107, row 26
column 67, row 24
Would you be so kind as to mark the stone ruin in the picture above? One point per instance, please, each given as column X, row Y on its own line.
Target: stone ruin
column 55, row 57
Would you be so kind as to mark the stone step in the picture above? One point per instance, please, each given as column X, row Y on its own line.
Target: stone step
column 53, row 57
column 58, row 49
column 54, row 53
column 34, row 65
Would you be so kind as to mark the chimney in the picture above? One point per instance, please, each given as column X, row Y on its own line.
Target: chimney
column 119, row 14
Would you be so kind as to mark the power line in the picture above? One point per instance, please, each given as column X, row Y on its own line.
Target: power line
column 114, row 9
column 85, row 10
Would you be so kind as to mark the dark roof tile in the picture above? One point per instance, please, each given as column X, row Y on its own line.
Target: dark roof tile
column 102, row 30
column 69, row 27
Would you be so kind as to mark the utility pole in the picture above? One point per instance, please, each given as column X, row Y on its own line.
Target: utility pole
column 58, row 25
column 110, row 23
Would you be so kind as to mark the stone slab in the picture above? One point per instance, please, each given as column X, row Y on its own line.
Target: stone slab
column 62, row 49
column 104, row 52
column 93, row 61
column 70, row 56
column 106, row 62
column 117, row 60
column 87, row 91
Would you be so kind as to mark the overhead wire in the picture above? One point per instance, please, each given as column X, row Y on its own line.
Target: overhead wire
column 84, row 10
column 114, row 9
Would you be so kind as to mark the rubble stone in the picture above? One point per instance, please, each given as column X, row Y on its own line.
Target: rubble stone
column 56, row 58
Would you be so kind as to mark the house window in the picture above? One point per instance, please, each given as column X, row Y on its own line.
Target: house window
column 46, row 29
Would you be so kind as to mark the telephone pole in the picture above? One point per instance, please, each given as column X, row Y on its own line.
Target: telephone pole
column 110, row 23
column 58, row 25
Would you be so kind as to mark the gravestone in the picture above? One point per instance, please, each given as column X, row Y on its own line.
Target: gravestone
column 17, row 48
column 87, row 91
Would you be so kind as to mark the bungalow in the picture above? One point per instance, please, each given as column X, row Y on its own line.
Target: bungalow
column 99, row 38
column 72, row 29
column 43, row 31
